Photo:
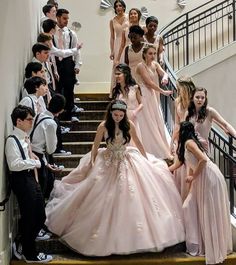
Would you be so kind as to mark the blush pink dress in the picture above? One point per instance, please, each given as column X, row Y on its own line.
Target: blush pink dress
column 118, row 31
column 134, row 59
column 181, row 172
column 123, row 204
column 132, row 104
column 156, row 43
column 207, row 214
column 202, row 129
column 151, row 122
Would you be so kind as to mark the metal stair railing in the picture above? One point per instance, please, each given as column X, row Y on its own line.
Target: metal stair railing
column 200, row 32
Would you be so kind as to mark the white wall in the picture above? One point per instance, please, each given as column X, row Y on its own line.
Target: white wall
column 216, row 73
column 19, row 26
column 96, row 71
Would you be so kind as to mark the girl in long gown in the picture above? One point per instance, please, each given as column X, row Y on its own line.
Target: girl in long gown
column 134, row 51
column 134, row 18
column 185, row 88
column 153, row 38
column 116, row 201
column 206, row 208
column 202, row 116
column 127, row 90
column 154, row 132
column 117, row 25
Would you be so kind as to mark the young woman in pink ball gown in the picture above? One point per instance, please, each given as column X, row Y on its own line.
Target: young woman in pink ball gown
column 116, row 201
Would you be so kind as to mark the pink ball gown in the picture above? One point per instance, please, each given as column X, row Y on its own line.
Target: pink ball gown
column 123, row 204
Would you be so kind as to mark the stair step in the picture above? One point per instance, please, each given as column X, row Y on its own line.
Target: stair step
column 79, row 147
column 79, row 136
column 83, row 125
column 93, row 105
column 64, row 172
column 92, row 96
column 163, row 258
column 91, row 115
column 71, row 161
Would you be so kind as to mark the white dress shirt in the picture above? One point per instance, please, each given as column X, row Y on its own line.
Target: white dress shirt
column 14, row 158
column 46, row 68
column 63, row 52
column 38, row 106
column 66, row 42
column 44, row 137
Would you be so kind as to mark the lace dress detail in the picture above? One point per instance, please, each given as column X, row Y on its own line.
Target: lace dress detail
column 123, row 204
column 115, row 151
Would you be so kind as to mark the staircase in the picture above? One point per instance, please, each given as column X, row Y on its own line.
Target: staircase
column 80, row 138
column 79, row 141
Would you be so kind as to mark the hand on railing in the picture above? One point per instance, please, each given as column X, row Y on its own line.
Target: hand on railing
column 166, row 92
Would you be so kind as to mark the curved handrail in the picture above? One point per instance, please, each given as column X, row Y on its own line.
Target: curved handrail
column 178, row 18
column 200, row 32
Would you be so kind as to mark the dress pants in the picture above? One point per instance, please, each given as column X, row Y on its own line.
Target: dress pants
column 66, row 83
column 32, row 211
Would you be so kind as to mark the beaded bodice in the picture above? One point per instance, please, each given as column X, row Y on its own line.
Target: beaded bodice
column 115, row 150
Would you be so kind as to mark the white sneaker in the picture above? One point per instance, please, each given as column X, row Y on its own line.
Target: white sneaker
column 17, row 250
column 40, row 258
column 77, row 99
column 74, row 119
column 42, row 235
column 63, row 153
column 64, row 129
column 77, row 109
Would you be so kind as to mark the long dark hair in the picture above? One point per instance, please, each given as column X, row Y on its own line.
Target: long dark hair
column 202, row 114
column 129, row 80
column 121, row 2
column 124, row 124
column 186, row 132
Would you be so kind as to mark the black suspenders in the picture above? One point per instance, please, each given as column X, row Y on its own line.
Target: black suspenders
column 70, row 44
column 36, row 123
column 32, row 103
column 19, row 145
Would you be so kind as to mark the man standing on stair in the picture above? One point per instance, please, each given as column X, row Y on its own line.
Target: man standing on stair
column 44, row 141
column 67, row 67
column 23, row 165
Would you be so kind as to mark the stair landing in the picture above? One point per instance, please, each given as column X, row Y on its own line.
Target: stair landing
column 135, row 259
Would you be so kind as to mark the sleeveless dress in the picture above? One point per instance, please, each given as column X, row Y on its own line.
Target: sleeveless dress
column 123, row 204
column 134, row 59
column 181, row 172
column 156, row 44
column 203, row 130
column 118, row 30
column 152, row 126
column 132, row 104
column 207, row 214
